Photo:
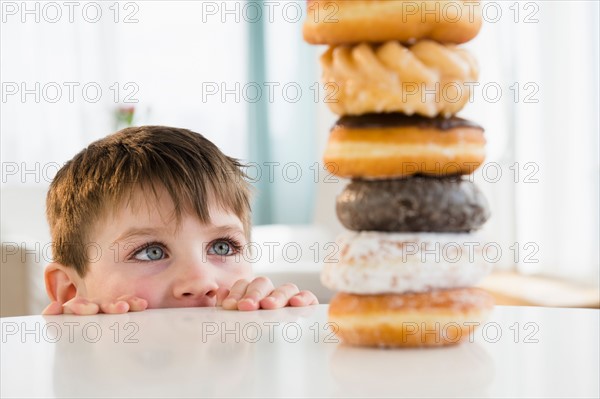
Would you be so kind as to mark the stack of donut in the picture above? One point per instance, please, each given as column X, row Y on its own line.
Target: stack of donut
column 407, row 265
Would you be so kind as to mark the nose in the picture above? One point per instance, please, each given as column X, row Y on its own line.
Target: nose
column 195, row 281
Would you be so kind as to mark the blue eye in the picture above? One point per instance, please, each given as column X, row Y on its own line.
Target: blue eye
column 221, row 248
column 152, row 252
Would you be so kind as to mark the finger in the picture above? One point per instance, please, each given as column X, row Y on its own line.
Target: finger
column 136, row 304
column 304, row 298
column 114, row 307
column 222, row 293
column 279, row 297
column 80, row 306
column 258, row 289
column 53, row 309
column 235, row 294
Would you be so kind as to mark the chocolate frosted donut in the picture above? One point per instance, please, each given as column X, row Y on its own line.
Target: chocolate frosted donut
column 448, row 204
column 397, row 119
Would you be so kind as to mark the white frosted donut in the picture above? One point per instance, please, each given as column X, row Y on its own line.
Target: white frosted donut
column 378, row 263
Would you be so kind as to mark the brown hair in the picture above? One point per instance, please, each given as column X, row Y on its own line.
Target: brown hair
column 191, row 169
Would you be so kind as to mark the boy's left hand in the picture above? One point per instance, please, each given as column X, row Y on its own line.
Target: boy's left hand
column 261, row 294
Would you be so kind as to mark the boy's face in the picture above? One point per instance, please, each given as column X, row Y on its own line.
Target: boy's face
column 139, row 250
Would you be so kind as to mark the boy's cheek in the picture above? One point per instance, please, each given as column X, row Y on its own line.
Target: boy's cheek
column 243, row 271
column 152, row 290
column 228, row 277
column 154, row 300
column 110, row 289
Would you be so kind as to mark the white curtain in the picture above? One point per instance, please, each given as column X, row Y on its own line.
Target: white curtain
column 560, row 134
column 542, row 135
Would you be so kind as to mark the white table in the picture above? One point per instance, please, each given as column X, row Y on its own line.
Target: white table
column 211, row 352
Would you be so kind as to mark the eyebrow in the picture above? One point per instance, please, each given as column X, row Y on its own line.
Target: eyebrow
column 225, row 229
column 150, row 231
column 139, row 231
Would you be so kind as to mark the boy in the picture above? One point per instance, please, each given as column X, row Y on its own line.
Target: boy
column 154, row 217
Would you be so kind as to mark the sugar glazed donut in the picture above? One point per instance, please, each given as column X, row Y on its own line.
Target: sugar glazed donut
column 380, row 263
column 435, row 318
column 350, row 21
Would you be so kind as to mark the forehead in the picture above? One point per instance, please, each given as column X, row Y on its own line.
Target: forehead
column 145, row 207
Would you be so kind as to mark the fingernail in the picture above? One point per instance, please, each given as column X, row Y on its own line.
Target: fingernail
column 228, row 301
column 137, row 303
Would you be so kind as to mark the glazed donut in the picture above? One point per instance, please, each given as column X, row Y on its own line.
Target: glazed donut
column 383, row 263
column 434, row 318
column 383, row 146
column 443, row 204
column 426, row 78
column 353, row 21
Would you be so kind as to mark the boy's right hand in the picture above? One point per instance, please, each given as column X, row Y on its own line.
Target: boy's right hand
column 82, row 306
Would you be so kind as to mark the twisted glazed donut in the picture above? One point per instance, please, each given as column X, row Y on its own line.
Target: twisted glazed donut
column 353, row 21
column 426, row 78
